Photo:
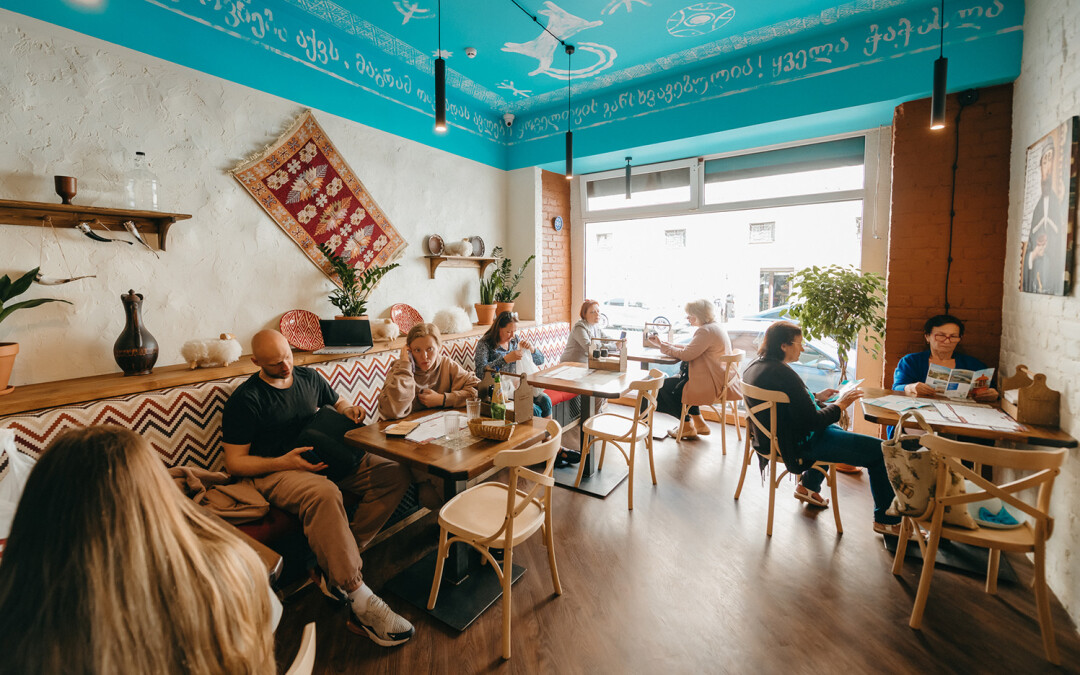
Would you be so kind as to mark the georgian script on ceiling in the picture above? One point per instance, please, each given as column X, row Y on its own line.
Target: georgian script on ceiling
column 857, row 47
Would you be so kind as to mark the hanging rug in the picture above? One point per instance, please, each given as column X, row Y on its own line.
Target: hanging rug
column 308, row 189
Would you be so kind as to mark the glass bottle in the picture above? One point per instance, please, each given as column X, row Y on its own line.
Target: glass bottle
column 498, row 400
column 141, row 188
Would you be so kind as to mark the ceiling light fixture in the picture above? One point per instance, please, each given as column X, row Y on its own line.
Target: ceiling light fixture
column 569, row 133
column 628, row 177
column 941, row 68
column 440, row 83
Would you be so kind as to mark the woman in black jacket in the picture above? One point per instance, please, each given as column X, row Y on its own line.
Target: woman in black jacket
column 808, row 432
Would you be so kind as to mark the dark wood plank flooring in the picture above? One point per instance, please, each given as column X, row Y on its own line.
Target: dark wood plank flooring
column 688, row 582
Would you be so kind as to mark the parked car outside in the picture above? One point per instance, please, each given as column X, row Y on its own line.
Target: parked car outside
column 770, row 315
column 630, row 313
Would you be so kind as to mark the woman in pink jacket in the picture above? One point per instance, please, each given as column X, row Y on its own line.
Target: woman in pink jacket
column 701, row 376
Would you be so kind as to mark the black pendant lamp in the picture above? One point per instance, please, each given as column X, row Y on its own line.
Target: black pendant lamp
column 628, row 177
column 941, row 69
column 440, row 83
column 569, row 133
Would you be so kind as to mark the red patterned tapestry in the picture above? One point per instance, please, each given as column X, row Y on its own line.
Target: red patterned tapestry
column 309, row 190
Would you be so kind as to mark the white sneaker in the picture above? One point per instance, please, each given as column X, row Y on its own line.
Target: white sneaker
column 381, row 624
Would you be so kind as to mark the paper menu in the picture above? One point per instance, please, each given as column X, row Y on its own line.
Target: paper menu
column 957, row 382
column 898, row 403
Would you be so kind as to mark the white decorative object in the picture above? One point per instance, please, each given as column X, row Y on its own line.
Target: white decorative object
column 453, row 320
column 220, row 351
column 463, row 247
column 384, row 329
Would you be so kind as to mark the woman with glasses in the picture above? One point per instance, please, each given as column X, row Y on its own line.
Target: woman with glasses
column 501, row 349
column 943, row 334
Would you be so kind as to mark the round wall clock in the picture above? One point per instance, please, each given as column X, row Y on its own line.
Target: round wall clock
column 557, row 222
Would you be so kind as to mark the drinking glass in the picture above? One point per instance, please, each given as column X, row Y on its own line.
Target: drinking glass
column 472, row 408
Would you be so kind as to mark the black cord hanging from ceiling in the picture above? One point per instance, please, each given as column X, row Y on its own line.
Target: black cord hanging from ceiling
column 966, row 98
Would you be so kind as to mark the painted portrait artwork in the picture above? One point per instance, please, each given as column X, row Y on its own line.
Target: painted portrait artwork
column 1048, row 226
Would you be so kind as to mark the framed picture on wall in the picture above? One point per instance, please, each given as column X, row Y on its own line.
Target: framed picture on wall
column 1048, row 226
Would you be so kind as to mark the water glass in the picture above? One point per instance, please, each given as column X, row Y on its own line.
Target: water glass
column 472, row 408
column 451, row 424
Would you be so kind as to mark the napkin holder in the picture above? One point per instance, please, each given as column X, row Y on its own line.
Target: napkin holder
column 607, row 354
column 660, row 330
column 1027, row 399
column 519, row 408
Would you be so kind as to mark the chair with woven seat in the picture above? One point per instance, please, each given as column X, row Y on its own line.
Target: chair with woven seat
column 731, row 363
column 1029, row 537
column 502, row 515
column 769, row 400
column 622, row 430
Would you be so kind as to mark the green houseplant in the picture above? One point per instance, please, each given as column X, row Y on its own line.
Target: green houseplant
column 351, row 299
column 839, row 303
column 507, row 292
column 489, row 291
column 9, row 290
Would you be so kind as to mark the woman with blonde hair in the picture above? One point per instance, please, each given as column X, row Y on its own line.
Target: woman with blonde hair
column 110, row 569
column 701, row 376
column 424, row 377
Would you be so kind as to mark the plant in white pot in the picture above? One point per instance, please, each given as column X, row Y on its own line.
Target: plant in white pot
column 352, row 297
column 10, row 290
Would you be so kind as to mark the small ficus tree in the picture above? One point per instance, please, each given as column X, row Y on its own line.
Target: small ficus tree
column 839, row 303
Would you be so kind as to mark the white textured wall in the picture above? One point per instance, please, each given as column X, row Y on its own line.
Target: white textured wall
column 525, row 236
column 77, row 106
column 1040, row 331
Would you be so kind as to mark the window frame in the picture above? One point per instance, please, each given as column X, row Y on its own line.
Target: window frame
column 654, row 210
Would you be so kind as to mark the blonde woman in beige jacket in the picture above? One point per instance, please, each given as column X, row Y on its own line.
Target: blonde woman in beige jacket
column 424, row 377
column 701, row 376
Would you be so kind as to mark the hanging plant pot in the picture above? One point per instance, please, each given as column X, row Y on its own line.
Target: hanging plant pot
column 8, row 350
column 485, row 314
column 501, row 307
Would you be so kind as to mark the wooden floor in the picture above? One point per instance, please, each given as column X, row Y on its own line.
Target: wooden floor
column 688, row 583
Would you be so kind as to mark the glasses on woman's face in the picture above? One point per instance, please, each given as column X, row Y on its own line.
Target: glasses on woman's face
column 945, row 337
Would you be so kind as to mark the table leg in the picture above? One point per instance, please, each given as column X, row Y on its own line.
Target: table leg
column 468, row 587
column 593, row 482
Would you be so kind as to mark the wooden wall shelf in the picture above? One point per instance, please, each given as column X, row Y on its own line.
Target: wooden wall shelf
column 479, row 263
column 106, row 219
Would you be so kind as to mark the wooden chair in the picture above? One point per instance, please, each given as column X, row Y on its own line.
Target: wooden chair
column 1028, row 538
column 304, row 663
column 769, row 400
column 620, row 430
column 502, row 516
column 731, row 362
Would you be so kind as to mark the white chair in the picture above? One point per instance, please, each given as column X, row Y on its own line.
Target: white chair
column 731, row 362
column 304, row 663
column 1030, row 537
column 502, row 516
column 769, row 401
column 620, row 430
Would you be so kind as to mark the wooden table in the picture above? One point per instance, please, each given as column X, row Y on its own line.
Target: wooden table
column 468, row 588
column 1031, row 434
column 648, row 356
column 592, row 482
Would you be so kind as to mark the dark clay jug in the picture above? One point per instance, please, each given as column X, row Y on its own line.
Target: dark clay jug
column 136, row 350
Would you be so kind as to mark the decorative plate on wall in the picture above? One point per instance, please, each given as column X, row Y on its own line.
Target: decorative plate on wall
column 301, row 328
column 435, row 244
column 477, row 246
column 405, row 317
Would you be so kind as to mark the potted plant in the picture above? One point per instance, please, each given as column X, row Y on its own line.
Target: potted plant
column 352, row 297
column 509, row 281
column 8, row 290
column 489, row 290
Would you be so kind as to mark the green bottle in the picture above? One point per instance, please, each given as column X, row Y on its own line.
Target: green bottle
column 498, row 401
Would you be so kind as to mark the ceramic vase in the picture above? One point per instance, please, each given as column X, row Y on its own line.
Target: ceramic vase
column 485, row 314
column 136, row 350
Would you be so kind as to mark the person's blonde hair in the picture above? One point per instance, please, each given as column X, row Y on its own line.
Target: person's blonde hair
column 423, row 330
column 702, row 309
column 110, row 569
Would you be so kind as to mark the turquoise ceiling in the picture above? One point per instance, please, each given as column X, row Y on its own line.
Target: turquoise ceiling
column 653, row 78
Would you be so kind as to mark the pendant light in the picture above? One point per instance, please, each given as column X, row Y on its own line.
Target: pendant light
column 440, row 83
column 569, row 133
column 628, row 177
column 941, row 68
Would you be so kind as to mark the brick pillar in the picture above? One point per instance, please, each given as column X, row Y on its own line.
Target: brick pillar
column 918, row 239
column 555, row 278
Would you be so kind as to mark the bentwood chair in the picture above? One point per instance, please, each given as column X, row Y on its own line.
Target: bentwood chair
column 502, row 516
column 1030, row 537
column 621, row 430
column 731, row 363
column 768, row 400
column 304, row 663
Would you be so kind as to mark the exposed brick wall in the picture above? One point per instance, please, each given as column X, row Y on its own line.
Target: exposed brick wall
column 918, row 238
column 555, row 279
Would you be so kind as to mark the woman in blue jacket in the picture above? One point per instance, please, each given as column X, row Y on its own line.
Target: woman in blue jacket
column 942, row 333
